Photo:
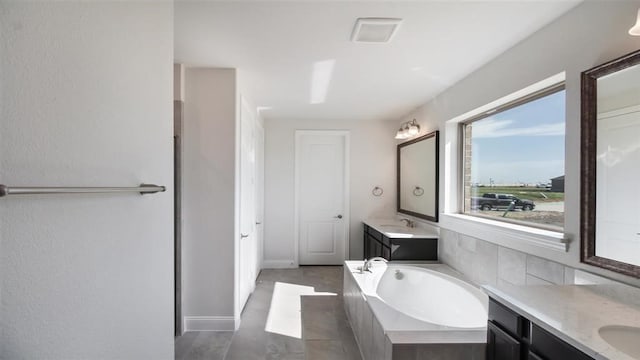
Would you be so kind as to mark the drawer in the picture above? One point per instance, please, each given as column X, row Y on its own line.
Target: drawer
column 375, row 234
column 549, row 347
column 414, row 249
column 508, row 320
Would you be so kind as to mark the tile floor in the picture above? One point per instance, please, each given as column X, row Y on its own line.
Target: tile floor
column 326, row 333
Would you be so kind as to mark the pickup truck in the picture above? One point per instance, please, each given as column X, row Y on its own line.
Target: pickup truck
column 490, row 201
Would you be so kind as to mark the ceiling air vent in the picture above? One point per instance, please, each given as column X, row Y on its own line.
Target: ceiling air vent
column 375, row 30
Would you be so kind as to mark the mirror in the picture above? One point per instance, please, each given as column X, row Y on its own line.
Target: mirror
column 610, row 166
column 418, row 177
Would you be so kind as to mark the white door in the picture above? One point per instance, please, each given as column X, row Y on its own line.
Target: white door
column 322, row 196
column 248, row 249
column 259, row 200
column 617, row 170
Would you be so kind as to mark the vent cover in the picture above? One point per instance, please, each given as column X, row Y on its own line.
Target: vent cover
column 375, row 30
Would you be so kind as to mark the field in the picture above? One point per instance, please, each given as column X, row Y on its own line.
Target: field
column 537, row 195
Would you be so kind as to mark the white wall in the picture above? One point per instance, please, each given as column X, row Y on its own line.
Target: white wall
column 209, row 200
column 590, row 34
column 86, row 101
column 373, row 154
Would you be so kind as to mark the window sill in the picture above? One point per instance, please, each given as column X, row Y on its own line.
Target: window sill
column 503, row 233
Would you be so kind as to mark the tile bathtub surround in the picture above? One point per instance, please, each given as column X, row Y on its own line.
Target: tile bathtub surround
column 326, row 333
column 490, row 264
column 374, row 343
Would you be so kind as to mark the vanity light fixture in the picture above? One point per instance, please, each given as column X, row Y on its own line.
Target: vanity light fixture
column 408, row 129
column 635, row 30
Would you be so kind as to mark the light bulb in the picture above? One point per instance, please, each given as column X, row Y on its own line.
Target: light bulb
column 635, row 30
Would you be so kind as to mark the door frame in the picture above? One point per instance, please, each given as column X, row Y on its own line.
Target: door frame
column 178, row 130
column 346, row 134
column 260, row 162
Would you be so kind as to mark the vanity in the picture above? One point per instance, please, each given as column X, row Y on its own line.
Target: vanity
column 564, row 322
column 393, row 240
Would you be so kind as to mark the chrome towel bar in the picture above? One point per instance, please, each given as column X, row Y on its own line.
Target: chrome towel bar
column 30, row 190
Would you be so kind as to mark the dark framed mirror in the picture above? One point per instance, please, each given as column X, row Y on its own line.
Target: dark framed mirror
column 418, row 177
column 610, row 165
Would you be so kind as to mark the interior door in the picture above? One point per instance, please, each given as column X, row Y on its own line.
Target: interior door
column 248, row 249
column 259, row 198
column 322, row 199
column 618, row 168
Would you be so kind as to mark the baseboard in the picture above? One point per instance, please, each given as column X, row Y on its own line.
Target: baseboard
column 279, row 264
column 210, row 323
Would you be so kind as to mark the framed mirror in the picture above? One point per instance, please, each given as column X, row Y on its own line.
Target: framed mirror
column 418, row 177
column 610, row 165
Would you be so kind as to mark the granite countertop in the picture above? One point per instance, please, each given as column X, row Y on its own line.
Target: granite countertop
column 396, row 229
column 574, row 313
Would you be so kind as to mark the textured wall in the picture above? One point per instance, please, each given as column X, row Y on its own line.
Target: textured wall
column 86, row 101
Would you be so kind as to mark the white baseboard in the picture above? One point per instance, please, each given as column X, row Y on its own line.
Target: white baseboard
column 279, row 264
column 210, row 323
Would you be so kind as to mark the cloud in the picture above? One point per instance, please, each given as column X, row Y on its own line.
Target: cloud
column 493, row 128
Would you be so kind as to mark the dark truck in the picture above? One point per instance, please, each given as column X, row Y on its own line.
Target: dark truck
column 490, row 201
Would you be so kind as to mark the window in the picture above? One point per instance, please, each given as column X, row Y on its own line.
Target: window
column 513, row 161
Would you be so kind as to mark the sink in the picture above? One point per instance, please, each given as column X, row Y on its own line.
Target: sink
column 397, row 231
column 396, row 228
column 623, row 338
column 401, row 231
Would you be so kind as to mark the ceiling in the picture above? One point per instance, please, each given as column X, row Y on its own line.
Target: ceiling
column 277, row 45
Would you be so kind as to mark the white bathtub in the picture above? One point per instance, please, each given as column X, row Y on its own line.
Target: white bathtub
column 417, row 304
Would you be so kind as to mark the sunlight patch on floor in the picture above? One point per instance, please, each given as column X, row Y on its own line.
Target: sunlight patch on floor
column 285, row 316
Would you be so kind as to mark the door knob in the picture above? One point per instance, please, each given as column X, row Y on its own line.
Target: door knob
column 258, row 223
column 338, row 217
column 244, row 235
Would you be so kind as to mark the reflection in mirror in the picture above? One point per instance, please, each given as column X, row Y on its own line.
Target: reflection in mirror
column 418, row 177
column 611, row 165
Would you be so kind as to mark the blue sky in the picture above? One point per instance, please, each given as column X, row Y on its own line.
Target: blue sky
column 521, row 145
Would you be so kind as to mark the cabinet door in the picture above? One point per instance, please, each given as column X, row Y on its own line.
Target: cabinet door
column 500, row 345
column 552, row 348
column 371, row 247
column 533, row 356
column 367, row 244
column 377, row 249
column 386, row 252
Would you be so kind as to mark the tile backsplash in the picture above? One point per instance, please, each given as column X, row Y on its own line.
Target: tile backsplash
column 487, row 263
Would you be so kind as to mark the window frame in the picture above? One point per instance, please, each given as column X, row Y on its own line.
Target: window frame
column 522, row 100
column 516, row 236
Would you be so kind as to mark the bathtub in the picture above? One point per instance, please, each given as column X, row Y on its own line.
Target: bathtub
column 426, row 308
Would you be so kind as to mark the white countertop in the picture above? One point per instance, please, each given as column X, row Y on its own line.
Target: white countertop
column 396, row 229
column 574, row 313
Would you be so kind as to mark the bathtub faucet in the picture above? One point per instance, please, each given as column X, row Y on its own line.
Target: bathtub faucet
column 368, row 263
column 410, row 223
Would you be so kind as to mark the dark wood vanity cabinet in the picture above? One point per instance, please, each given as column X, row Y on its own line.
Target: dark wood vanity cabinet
column 378, row 244
column 511, row 336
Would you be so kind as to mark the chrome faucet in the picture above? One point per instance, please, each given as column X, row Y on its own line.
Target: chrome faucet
column 410, row 223
column 368, row 263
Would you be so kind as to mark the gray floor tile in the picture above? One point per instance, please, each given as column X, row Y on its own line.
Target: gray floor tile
column 326, row 331
column 325, row 350
column 209, row 345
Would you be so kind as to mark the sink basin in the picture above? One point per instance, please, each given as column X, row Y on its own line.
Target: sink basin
column 400, row 231
column 623, row 338
column 395, row 228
